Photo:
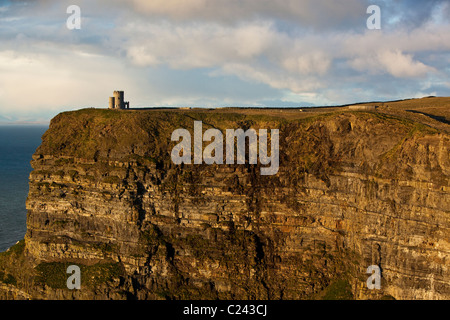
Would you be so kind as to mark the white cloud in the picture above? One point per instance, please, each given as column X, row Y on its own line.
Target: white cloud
column 393, row 62
column 271, row 77
column 31, row 81
column 196, row 46
column 254, row 52
column 257, row 51
column 310, row 63
column 402, row 65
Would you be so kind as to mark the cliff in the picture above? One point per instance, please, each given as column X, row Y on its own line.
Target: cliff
column 354, row 189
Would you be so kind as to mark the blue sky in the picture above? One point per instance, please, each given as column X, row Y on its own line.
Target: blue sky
column 209, row 53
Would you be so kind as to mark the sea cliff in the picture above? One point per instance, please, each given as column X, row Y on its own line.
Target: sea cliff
column 354, row 188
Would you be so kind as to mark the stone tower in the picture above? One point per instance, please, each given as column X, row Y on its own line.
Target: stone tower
column 112, row 102
column 117, row 101
column 118, row 97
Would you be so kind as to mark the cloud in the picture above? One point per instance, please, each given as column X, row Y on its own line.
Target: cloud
column 259, row 52
column 401, row 65
column 410, row 14
column 309, row 63
column 196, row 46
column 254, row 52
column 271, row 77
column 394, row 62
column 36, row 80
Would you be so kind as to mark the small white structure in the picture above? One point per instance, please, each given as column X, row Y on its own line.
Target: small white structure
column 362, row 107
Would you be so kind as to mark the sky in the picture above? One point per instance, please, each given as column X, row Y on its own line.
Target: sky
column 218, row 53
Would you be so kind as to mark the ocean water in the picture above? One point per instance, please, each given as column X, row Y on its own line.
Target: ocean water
column 17, row 145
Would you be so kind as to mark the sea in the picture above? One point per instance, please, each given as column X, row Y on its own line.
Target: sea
column 17, row 145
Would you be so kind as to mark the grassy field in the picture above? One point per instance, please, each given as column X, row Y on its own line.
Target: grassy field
column 431, row 111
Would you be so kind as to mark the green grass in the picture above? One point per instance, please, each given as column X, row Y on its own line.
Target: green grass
column 16, row 249
column 338, row 290
column 55, row 276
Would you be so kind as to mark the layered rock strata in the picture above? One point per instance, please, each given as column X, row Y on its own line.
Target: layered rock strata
column 353, row 189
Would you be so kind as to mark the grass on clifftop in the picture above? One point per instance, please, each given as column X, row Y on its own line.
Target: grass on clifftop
column 55, row 276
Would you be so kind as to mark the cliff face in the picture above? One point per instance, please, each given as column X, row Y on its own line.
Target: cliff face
column 353, row 189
